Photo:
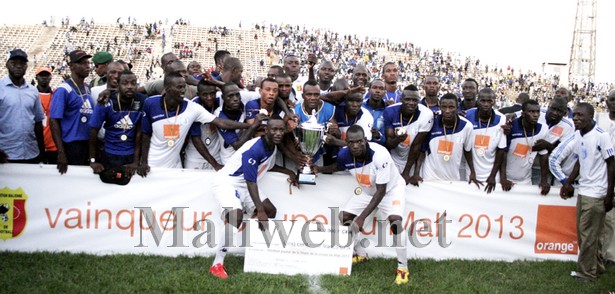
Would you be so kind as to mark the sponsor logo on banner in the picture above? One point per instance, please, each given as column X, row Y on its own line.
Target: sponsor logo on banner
column 556, row 230
column 13, row 216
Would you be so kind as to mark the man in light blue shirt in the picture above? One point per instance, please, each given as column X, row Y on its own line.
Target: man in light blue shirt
column 21, row 113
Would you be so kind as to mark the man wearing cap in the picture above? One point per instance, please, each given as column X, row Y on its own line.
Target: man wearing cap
column 71, row 108
column 101, row 60
column 21, row 113
column 43, row 78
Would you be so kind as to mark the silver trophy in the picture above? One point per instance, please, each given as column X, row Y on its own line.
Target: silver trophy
column 311, row 136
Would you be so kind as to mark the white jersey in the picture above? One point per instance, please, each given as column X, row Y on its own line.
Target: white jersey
column 563, row 129
column 487, row 138
column 443, row 153
column 227, row 137
column 520, row 157
column 612, row 131
column 421, row 121
column 168, row 132
column 563, row 159
column 366, row 120
column 593, row 148
column 378, row 168
column 209, row 135
column 250, row 163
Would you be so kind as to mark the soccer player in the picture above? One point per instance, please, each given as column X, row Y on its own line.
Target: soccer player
column 449, row 140
column 379, row 185
column 375, row 105
column 204, row 137
column 594, row 172
column 71, row 108
column 489, row 141
column 526, row 130
column 353, row 114
column 121, row 118
column 236, row 186
column 407, row 124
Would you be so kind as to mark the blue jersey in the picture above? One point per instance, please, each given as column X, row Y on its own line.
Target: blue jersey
column 74, row 109
column 118, row 123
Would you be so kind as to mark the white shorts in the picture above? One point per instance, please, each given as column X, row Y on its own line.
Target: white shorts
column 393, row 203
column 234, row 196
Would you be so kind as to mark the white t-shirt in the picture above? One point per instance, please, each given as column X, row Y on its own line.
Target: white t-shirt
column 209, row 136
column 165, row 127
column 520, row 157
column 378, row 168
column 593, row 149
column 443, row 154
column 486, row 139
column 365, row 121
column 421, row 121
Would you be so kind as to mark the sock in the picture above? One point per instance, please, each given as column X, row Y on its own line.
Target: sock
column 224, row 240
column 401, row 250
column 358, row 248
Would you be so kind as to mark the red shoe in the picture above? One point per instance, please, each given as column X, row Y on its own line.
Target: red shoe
column 218, row 271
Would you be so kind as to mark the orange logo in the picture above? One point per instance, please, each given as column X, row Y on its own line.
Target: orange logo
column 556, row 230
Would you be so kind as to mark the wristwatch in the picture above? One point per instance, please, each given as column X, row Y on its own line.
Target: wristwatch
column 92, row 160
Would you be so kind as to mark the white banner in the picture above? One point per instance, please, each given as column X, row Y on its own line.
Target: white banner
column 43, row 210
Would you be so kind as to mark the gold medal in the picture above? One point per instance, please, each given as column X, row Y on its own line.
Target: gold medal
column 446, row 157
column 480, row 152
column 170, row 143
column 358, row 191
column 123, row 137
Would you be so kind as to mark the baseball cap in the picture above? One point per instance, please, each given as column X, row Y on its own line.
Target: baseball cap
column 18, row 53
column 76, row 55
column 102, row 57
column 42, row 69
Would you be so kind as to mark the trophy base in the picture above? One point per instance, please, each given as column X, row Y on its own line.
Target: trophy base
column 307, row 179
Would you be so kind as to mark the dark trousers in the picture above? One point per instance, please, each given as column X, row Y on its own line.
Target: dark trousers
column 77, row 152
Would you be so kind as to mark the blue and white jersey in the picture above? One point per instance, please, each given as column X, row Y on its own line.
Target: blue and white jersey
column 421, row 121
column 388, row 96
column 378, row 119
column 165, row 127
column 228, row 137
column 74, row 109
column 487, row 137
column 520, row 157
column 434, row 108
column 378, row 168
column 253, row 108
column 250, row 163
column 444, row 149
column 563, row 129
column 563, row 159
column 118, row 123
column 593, row 148
column 363, row 119
column 209, row 135
column 324, row 114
